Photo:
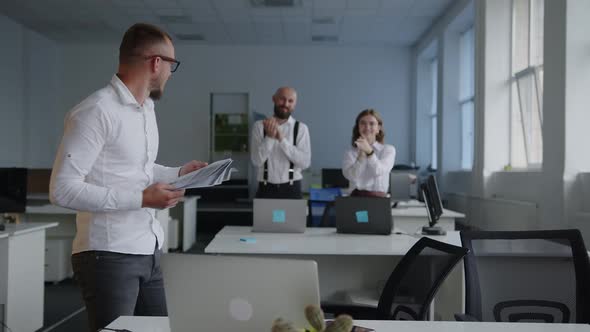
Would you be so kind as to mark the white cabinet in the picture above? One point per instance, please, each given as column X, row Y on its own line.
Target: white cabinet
column 57, row 259
column 58, row 245
column 21, row 275
column 186, row 214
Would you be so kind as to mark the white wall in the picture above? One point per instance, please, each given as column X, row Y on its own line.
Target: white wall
column 558, row 193
column 28, row 95
column 577, row 81
column 12, row 95
column 334, row 84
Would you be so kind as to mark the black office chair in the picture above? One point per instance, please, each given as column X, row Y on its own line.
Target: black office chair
column 411, row 286
column 333, row 178
column 526, row 276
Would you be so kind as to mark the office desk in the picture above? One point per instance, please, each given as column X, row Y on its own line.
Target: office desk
column 160, row 324
column 186, row 213
column 22, row 259
column 60, row 238
column 411, row 219
column 345, row 261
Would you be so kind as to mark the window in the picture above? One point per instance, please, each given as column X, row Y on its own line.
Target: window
column 433, row 113
column 466, row 96
column 526, row 136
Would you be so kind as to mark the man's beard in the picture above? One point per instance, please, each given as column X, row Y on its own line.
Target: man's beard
column 280, row 114
column 156, row 94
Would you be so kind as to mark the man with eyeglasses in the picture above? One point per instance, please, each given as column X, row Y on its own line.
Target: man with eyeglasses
column 105, row 169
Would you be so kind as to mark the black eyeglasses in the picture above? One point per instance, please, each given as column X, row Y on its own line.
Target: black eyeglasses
column 175, row 63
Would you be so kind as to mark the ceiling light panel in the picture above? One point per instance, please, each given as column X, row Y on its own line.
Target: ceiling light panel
column 363, row 4
column 296, row 12
column 231, row 4
column 163, row 3
column 330, row 4
column 128, row 3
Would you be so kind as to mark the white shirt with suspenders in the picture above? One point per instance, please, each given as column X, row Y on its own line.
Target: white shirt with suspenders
column 278, row 158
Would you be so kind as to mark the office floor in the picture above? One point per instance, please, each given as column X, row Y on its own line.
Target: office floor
column 64, row 308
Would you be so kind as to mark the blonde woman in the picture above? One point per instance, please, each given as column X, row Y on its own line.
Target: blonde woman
column 369, row 161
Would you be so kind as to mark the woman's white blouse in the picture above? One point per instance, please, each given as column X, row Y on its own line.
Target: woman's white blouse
column 369, row 173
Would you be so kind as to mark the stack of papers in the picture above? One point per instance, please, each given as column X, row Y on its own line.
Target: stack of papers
column 211, row 175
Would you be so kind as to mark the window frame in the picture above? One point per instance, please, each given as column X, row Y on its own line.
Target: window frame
column 468, row 98
column 531, row 71
column 433, row 113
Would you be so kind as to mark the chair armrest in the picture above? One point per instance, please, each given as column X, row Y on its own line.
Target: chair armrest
column 465, row 318
column 356, row 311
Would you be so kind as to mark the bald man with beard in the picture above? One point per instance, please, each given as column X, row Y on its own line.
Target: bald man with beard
column 281, row 149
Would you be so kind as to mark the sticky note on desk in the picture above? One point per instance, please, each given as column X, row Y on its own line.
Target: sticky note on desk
column 248, row 240
column 278, row 215
column 362, row 216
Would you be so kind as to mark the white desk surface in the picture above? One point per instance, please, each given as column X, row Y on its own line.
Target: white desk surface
column 23, row 228
column 54, row 209
column 48, row 209
column 160, row 324
column 421, row 212
column 315, row 241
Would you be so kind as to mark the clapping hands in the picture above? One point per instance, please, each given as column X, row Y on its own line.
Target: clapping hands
column 271, row 128
column 363, row 145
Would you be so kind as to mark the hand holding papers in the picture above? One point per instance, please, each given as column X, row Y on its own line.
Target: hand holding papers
column 208, row 176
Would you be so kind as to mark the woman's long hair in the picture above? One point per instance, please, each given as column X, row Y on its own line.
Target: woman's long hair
column 355, row 131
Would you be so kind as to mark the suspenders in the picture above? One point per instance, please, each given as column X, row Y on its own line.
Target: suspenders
column 291, row 166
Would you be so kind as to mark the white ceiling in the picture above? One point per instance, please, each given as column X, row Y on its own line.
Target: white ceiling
column 230, row 22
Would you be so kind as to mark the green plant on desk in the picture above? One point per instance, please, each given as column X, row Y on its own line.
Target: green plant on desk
column 315, row 317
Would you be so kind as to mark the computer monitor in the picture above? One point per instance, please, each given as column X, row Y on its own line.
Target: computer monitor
column 434, row 208
column 333, row 178
column 13, row 190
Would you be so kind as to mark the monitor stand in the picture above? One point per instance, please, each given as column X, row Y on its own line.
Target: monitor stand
column 433, row 230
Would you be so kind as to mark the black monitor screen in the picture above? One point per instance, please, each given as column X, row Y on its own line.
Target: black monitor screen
column 333, row 178
column 429, row 190
column 13, row 190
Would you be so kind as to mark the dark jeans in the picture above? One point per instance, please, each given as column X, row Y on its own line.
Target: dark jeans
column 282, row 190
column 115, row 284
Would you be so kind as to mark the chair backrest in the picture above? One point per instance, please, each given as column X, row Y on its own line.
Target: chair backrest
column 416, row 278
column 527, row 276
column 333, row 178
column 321, row 201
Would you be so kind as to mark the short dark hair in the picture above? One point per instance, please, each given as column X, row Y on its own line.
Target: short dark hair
column 356, row 132
column 139, row 37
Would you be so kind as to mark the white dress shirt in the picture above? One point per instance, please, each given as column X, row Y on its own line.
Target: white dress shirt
column 369, row 173
column 281, row 154
column 105, row 160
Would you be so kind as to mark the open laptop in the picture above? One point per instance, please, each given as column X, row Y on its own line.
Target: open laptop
column 363, row 215
column 225, row 293
column 280, row 215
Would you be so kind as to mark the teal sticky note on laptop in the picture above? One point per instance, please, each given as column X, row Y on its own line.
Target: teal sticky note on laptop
column 362, row 216
column 278, row 215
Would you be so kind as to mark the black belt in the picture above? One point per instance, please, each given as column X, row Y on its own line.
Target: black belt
column 279, row 185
